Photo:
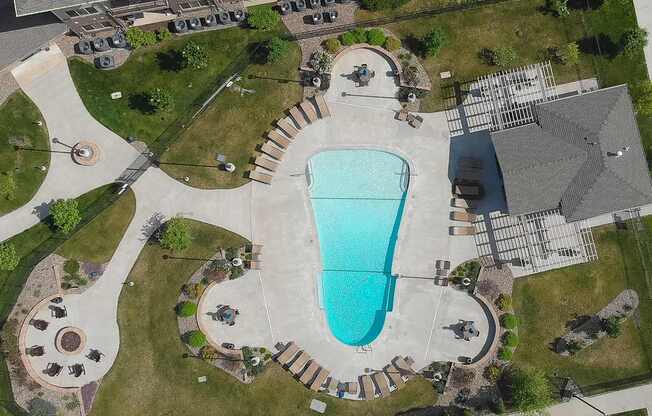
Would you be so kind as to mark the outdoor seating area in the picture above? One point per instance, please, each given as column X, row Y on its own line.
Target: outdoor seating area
column 368, row 387
column 280, row 138
column 413, row 120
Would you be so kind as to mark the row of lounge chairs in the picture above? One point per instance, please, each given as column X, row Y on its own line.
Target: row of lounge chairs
column 466, row 187
column 312, row 375
column 280, row 138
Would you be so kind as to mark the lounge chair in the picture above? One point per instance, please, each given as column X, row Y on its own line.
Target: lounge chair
column 460, row 203
column 298, row 364
column 468, row 190
column 309, row 110
column 260, row 177
column 287, row 354
column 288, row 127
column 310, row 373
column 394, row 375
column 322, row 106
column 279, row 139
column 462, row 216
column 368, row 391
column 470, row 163
column 403, row 367
column 298, row 117
column 443, row 264
column 402, row 115
column 252, row 264
column 268, row 164
column 414, row 121
column 352, row 387
column 319, row 380
column 271, row 150
column 382, row 384
column 469, row 174
column 461, row 230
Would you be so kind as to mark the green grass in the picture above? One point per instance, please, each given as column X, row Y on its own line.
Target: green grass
column 17, row 122
column 517, row 24
column 234, row 125
column 545, row 302
column 150, row 377
column 98, row 240
column 154, row 67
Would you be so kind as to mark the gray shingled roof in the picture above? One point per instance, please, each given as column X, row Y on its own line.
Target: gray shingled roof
column 567, row 159
column 27, row 7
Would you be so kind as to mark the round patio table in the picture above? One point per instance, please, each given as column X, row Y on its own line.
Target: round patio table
column 364, row 74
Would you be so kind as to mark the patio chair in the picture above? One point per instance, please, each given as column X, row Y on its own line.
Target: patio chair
column 35, row 351
column 394, row 376
column 319, row 380
column 95, row 355
column 300, row 363
column 273, row 151
column 53, row 369
column 322, row 106
column 287, row 353
column 298, row 117
column 266, row 163
column 456, row 230
column 58, row 311
column 308, row 375
column 402, row 115
column 252, row 265
column 288, row 127
column 76, row 370
column 260, row 177
column 462, row 216
column 368, row 390
column 381, row 382
column 309, row 110
column 39, row 324
column 415, row 121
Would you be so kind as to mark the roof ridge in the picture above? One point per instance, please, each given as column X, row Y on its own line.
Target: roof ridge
column 570, row 121
column 611, row 110
column 544, row 164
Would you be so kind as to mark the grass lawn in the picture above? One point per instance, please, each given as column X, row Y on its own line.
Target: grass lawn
column 517, row 24
column 97, row 241
column 545, row 302
column 17, row 120
column 150, row 377
column 234, row 125
column 158, row 67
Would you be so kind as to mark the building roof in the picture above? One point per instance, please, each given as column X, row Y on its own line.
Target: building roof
column 570, row 158
column 27, row 7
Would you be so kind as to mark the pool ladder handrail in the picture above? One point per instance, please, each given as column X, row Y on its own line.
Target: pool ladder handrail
column 363, row 348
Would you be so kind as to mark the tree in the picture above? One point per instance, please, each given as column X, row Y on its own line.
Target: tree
column 505, row 56
column 194, row 55
column 263, row 18
column 570, row 53
column 175, row 235
column 558, row 7
column 159, row 99
column 65, row 214
column 530, row 389
column 642, row 96
column 332, row 45
column 276, row 48
column 433, row 42
column 376, row 37
column 186, row 309
column 8, row 257
column 138, row 38
column 634, row 40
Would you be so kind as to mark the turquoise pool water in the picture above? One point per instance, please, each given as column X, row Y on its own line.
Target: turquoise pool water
column 358, row 198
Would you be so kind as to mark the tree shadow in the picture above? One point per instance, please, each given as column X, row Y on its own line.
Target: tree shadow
column 171, row 61
column 414, row 45
column 585, row 4
column 577, row 321
column 600, row 45
column 140, row 102
column 258, row 53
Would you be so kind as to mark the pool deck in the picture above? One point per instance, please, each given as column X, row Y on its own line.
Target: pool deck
column 281, row 302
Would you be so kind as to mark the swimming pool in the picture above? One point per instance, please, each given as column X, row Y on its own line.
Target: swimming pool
column 357, row 198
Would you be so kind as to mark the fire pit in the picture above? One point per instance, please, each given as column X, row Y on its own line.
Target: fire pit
column 70, row 340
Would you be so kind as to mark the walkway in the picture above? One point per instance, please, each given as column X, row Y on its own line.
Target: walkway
column 611, row 403
column 644, row 15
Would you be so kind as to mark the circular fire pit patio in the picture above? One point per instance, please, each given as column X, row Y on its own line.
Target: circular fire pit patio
column 70, row 340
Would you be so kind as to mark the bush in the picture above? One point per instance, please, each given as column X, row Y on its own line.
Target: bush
column 375, row 5
column 505, row 354
column 175, row 235
column 71, row 267
column 612, row 326
column 276, row 49
column 531, row 390
column 488, row 56
column 332, row 45
column 510, row 339
column 642, row 96
column 236, row 272
column 505, row 57
column 208, row 352
column 633, row 41
column 138, row 38
column 194, row 55
column 40, row 407
column 263, row 18
column 193, row 290
column 498, row 406
column 186, row 309
column 411, row 75
column 159, row 99
column 558, row 7
column 8, row 257
column 347, row 38
column 504, row 302
column 195, row 339
column 493, row 373
column 321, row 61
column 8, row 186
column 392, row 43
column 570, row 53
column 376, row 37
column 65, row 214
column 163, row 34
column 509, row 321
column 433, row 42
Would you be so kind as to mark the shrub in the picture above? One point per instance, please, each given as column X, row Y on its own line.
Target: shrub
column 510, row 339
column 159, row 99
column 40, row 407
column 376, row 37
column 163, row 34
column 497, row 406
column 321, row 61
column 194, row 55
column 504, row 302
column 642, row 96
column 138, row 38
column 276, row 49
column 236, row 272
column 8, row 186
column 332, row 45
column 175, row 236
column 558, row 7
column 8, row 257
column 186, row 309
column 573, row 347
column 612, row 326
column 633, row 41
column 374, row 5
column 570, row 53
column 505, row 354
column 505, row 57
column 263, row 18
column 509, row 321
column 71, row 266
column 208, row 352
column 531, row 390
column 65, row 214
column 392, row 43
column 492, row 373
column 461, row 377
column 433, row 42
column 411, row 75
column 195, row 339
column 488, row 56
column 347, row 38
column 193, row 290
column 360, row 35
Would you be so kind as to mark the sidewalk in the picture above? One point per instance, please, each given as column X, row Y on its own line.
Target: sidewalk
column 644, row 16
column 611, row 403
